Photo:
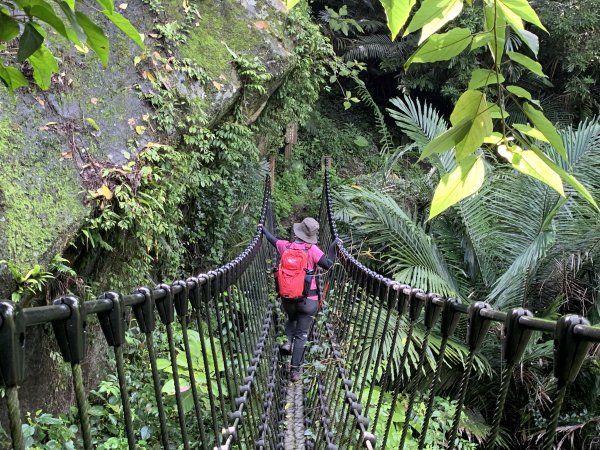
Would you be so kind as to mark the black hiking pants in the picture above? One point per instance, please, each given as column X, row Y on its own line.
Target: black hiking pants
column 301, row 314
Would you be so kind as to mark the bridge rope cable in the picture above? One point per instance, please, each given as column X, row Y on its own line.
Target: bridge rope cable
column 234, row 324
column 226, row 344
column 350, row 308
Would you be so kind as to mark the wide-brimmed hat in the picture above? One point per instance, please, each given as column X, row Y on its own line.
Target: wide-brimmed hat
column 307, row 230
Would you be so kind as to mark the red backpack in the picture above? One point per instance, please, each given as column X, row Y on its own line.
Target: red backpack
column 291, row 272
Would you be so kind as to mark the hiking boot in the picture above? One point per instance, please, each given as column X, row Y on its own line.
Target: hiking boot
column 286, row 348
column 294, row 375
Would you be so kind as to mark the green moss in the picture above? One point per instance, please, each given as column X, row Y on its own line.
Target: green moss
column 39, row 201
column 221, row 25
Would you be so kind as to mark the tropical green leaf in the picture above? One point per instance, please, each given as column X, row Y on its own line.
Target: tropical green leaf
column 527, row 62
column 519, row 92
column 108, row 5
column 433, row 15
column 125, row 26
column 462, row 182
column 569, row 178
column 44, row 12
column 529, row 163
column 530, row 131
column 12, row 77
column 9, row 27
column 397, row 12
column 484, row 77
column 473, row 107
column 96, row 39
column 495, row 25
column 75, row 32
column 441, row 47
column 539, row 120
column 481, row 39
column 448, row 139
column 44, row 66
column 31, row 39
column 516, row 11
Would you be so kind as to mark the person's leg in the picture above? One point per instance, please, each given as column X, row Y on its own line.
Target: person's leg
column 290, row 326
column 306, row 312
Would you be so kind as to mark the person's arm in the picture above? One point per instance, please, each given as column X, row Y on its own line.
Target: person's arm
column 270, row 237
column 327, row 260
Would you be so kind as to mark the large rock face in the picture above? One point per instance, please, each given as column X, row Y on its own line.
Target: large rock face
column 48, row 138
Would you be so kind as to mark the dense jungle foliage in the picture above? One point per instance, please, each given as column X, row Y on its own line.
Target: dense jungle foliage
column 521, row 240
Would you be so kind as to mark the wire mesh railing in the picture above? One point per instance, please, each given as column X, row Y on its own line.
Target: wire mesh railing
column 350, row 389
column 231, row 311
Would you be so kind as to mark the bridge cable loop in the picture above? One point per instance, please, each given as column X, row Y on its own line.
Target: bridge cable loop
column 515, row 337
column 12, row 365
column 477, row 328
column 112, row 322
column 144, row 312
column 569, row 353
column 71, row 334
column 12, row 345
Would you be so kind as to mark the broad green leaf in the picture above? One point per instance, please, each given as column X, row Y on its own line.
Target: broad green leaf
column 45, row 13
column 79, row 36
column 520, row 9
column 125, row 26
column 291, row 3
column 108, row 5
column 96, row 39
column 463, row 181
column 529, row 163
column 397, row 12
column 446, row 140
column 441, row 47
column 71, row 4
column 9, row 27
column 472, row 106
column 531, row 132
column 481, row 39
column 30, row 41
column 44, row 66
column 530, row 39
column 580, row 188
column 484, row 77
column 496, row 112
column 527, row 62
column 12, row 78
column 519, row 92
column 433, row 15
column 496, row 25
column 539, row 120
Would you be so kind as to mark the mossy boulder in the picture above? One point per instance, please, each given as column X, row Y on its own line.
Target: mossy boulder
column 91, row 114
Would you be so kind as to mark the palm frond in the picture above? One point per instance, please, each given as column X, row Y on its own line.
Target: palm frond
column 375, row 46
column 402, row 243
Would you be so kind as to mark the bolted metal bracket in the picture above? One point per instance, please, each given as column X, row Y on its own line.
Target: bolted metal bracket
column 113, row 322
column 516, row 336
column 569, row 350
column 71, row 333
column 12, row 345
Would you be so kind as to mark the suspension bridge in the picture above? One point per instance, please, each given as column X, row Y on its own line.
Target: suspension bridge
column 251, row 402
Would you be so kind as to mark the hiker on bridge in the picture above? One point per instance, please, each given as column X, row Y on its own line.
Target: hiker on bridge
column 297, row 285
